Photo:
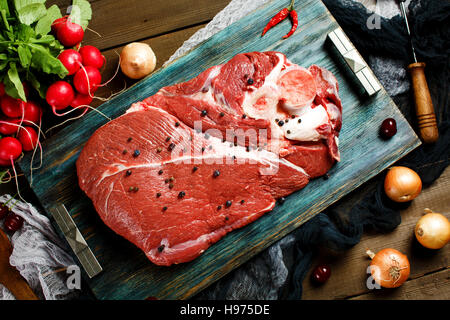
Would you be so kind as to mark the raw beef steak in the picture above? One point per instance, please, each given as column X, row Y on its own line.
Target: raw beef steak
column 198, row 159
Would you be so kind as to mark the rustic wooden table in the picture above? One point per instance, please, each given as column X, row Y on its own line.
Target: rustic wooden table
column 165, row 25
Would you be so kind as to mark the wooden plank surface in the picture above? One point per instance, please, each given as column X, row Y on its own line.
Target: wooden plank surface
column 142, row 19
column 349, row 267
column 435, row 286
column 128, row 274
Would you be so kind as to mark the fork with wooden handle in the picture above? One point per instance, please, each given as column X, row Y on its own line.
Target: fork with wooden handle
column 426, row 119
column 9, row 276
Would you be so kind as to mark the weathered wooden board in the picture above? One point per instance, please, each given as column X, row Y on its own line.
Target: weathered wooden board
column 127, row 272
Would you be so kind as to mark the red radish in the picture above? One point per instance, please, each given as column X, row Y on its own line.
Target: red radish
column 70, row 34
column 11, row 107
column 58, row 23
column 10, row 148
column 5, row 163
column 32, row 112
column 92, row 57
column 26, row 89
column 87, row 80
column 81, row 100
column 71, row 59
column 2, row 89
column 9, row 126
column 59, row 95
column 28, row 138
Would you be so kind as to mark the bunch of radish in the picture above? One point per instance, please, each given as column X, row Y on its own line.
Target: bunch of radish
column 19, row 127
column 82, row 62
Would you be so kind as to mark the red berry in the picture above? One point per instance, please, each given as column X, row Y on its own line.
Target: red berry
column 4, row 210
column 388, row 128
column 13, row 222
column 321, row 273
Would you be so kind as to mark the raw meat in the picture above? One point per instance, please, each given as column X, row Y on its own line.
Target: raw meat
column 198, row 159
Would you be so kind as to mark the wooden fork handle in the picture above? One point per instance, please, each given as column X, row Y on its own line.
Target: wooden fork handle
column 18, row 286
column 426, row 118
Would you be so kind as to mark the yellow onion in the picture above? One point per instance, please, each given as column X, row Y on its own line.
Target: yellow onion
column 389, row 267
column 402, row 184
column 433, row 230
column 137, row 60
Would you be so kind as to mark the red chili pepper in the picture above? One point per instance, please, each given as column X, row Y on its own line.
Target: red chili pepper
column 280, row 16
column 294, row 18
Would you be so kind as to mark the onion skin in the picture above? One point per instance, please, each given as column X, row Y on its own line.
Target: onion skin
column 402, row 184
column 137, row 60
column 389, row 267
column 433, row 230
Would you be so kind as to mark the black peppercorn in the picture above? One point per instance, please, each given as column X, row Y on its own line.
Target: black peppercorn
column 204, row 113
column 181, row 194
column 216, row 173
column 281, row 123
column 250, row 81
column 171, row 146
column 160, row 172
column 161, row 248
column 128, row 173
column 228, row 204
column 136, row 153
column 194, row 169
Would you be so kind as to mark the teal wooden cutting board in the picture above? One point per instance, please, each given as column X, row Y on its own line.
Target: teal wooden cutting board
column 127, row 274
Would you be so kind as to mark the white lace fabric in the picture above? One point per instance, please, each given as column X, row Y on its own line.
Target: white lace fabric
column 38, row 253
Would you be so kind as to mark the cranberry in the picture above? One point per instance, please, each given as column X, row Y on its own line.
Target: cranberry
column 13, row 222
column 388, row 128
column 321, row 273
column 4, row 210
